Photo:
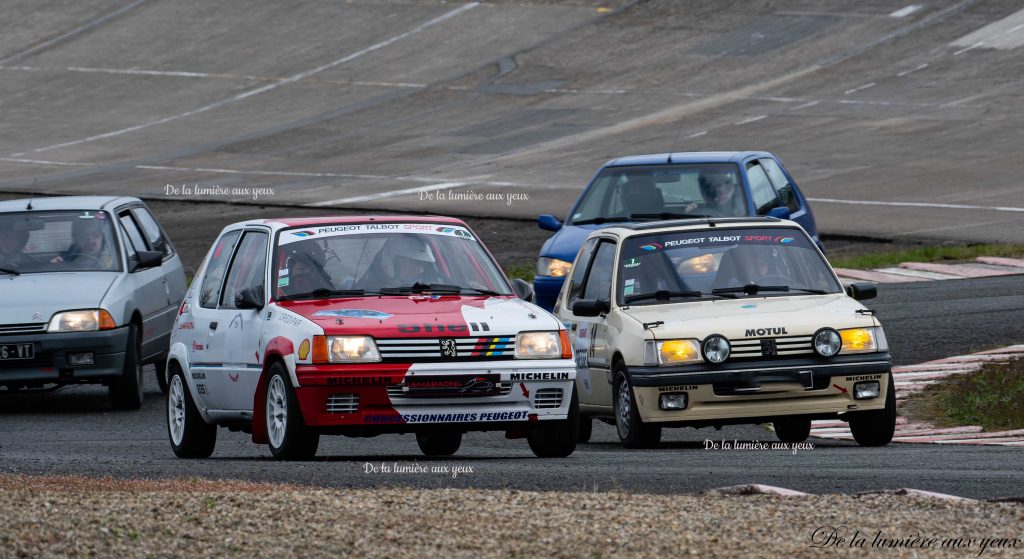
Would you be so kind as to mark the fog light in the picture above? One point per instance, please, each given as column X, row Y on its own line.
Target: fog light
column 79, row 359
column 866, row 390
column 673, row 401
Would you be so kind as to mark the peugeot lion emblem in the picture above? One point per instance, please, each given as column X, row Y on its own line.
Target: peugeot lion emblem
column 448, row 348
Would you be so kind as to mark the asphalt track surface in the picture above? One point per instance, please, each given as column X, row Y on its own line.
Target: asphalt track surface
column 897, row 122
column 73, row 431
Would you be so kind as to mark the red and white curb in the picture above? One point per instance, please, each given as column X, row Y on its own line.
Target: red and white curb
column 914, row 378
column 983, row 266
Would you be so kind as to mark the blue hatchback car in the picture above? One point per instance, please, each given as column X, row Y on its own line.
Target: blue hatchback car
column 669, row 186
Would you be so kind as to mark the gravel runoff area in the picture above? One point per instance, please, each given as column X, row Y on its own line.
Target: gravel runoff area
column 76, row 516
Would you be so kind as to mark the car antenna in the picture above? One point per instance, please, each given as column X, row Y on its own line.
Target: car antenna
column 711, row 222
column 34, row 181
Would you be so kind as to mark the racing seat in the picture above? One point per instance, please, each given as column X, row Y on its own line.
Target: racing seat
column 640, row 195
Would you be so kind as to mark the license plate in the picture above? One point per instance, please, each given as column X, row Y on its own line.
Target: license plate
column 12, row 352
column 461, row 385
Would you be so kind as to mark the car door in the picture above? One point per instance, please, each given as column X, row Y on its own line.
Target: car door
column 171, row 273
column 150, row 295
column 242, row 353
column 762, row 193
column 787, row 193
column 597, row 285
column 206, row 348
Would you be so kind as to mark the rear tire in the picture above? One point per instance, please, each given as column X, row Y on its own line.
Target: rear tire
column 190, row 436
column 792, row 429
column 287, row 434
column 633, row 432
column 126, row 391
column 586, row 428
column 161, row 374
column 876, row 428
column 557, row 439
column 439, row 442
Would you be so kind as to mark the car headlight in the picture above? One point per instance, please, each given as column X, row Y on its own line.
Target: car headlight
column 543, row 345
column 863, row 340
column 827, row 342
column 89, row 320
column 674, row 352
column 553, row 267
column 349, row 349
column 716, row 348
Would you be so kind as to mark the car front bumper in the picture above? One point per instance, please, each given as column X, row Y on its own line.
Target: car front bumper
column 762, row 389
column 50, row 364
column 373, row 397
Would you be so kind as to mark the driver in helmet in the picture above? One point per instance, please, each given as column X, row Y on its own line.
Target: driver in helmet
column 305, row 269
column 404, row 260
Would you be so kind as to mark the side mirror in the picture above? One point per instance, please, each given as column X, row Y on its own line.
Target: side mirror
column 149, row 259
column 250, row 298
column 523, row 289
column 781, row 212
column 549, row 222
column 862, row 291
column 590, row 307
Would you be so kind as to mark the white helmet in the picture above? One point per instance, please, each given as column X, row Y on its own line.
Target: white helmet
column 404, row 246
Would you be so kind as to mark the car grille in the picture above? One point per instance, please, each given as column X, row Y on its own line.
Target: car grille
column 547, row 398
column 770, row 348
column 398, row 391
column 6, row 329
column 447, row 349
column 343, row 403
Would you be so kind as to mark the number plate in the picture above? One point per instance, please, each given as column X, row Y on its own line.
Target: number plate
column 12, row 352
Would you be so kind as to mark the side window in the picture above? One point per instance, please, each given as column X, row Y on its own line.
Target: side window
column 761, row 189
column 579, row 271
column 786, row 194
column 248, row 268
column 209, row 293
column 152, row 230
column 132, row 231
column 599, row 282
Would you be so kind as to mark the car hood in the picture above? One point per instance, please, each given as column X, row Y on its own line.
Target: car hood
column 34, row 298
column 566, row 242
column 427, row 316
column 753, row 317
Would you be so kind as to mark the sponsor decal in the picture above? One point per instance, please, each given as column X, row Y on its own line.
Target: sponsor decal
column 355, row 313
column 234, row 377
column 304, row 350
column 196, row 346
column 237, row 322
column 357, row 381
column 417, row 328
column 679, row 388
column 773, row 331
column 201, row 388
column 474, row 385
column 783, row 240
column 446, row 417
column 863, row 377
column 198, row 376
column 188, row 325
column 303, row 234
column 651, row 246
column 840, row 388
column 289, row 319
column 539, row 376
column 358, row 228
column 486, row 347
column 86, row 215
column 631, row 263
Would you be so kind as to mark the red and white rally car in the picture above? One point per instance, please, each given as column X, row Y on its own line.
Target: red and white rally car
column 361, row 326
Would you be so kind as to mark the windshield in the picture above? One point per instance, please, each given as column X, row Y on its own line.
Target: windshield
column 383, row 258
column 721, row 263
column 57, row 241
column 662, row 192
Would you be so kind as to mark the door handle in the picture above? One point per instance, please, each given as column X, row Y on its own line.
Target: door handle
column 213, row 325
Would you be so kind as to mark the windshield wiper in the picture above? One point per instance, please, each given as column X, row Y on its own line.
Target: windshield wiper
column 749, row 289
column 661, row 295
column 11, row 271
column 481, row 291
column 805, row 290
column 323, row 292
column 422, row 287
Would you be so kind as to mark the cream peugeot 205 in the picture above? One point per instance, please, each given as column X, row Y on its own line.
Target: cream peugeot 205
column 712, row 322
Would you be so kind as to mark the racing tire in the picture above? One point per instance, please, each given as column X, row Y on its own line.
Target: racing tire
column 287, row 434
column 190, row 436
column 586, row 428
column 792, row 429
column 876, row 427
column 161, row 374
column 126, row 391
column 633, row 432
column 440, row 442
column 557, row 439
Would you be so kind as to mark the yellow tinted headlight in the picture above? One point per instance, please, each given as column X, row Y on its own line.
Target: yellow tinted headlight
column 538, row 345
column 858, row 340
column 674, row 352
column 553, row 267
column 350, row 349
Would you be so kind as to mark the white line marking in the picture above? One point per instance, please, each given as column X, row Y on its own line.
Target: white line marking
column 912, row 70
column 44, row 162
column 752, row 119
column 389, row 194
column 805, row 105
column 859, row 88
column 698, row 134
column 263, row 89
column 918, row 205
column 904, row 12
column 965, row 49
column 1012, row 29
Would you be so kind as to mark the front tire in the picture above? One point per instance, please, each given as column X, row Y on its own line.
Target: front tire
column 287, row 433
column 586, row 428
column 190, row 436
column 876, row 428
column 792, row 429
column 126, row 391
column 557, row 439
column 633, row 432
column 440, row 442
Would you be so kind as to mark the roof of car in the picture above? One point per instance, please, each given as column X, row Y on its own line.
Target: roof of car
column 627, row 229
column 328, row 220
column 686, row 157
column 44, row 203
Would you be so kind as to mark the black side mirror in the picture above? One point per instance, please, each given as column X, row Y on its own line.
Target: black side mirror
column 250, row 298
column 149, row 259
column 590, row 307
column 781, row 212
column 862, row 291
column 549, row 222
column 523, row 289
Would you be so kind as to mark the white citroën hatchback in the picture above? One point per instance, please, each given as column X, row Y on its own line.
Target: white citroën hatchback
column 710, row 322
